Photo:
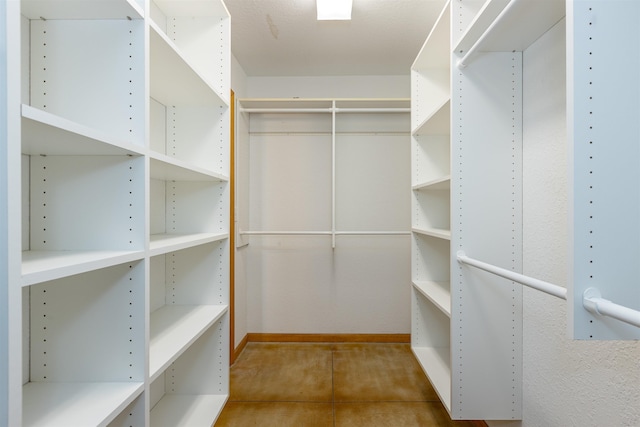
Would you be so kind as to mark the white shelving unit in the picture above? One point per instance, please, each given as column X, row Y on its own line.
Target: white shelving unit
column 430, row 212
column 467, row 180
column 121, row 286
column 327, row 214
column 332, row 123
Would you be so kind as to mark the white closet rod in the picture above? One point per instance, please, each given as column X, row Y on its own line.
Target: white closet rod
column 326, row 110
column 549, row 288
column 373, row 110
column 463, row 61
column 373, row 233
column 326, row 233
column 595, row 304
column 286, row 110
column 591, row 299
column 287, row 233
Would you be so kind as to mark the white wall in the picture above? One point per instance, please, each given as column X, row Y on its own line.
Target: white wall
column 330, row 87
column 565, row 382
column 301, row 284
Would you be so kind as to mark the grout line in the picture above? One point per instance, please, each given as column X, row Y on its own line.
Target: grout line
column 333, row 386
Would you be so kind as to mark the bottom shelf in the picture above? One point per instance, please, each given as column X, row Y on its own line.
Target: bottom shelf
column 81, row 404
column 187, row 410
column 435, row 362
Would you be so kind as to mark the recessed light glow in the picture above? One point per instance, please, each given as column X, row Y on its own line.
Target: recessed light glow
column 334, row 10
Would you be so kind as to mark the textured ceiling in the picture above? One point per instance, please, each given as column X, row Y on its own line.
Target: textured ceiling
column 283, row 37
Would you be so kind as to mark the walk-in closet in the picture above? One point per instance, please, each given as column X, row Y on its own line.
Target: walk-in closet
column 234, row 212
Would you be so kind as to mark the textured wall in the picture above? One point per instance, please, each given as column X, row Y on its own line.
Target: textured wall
column 566, row 383
column 330, row 87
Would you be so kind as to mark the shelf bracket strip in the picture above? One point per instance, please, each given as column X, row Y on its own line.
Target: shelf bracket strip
column 540, row 285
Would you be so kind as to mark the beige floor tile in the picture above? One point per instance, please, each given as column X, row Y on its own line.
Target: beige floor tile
column 282, row 372
column 276, row 414
column 394, row 414
column 382, row 372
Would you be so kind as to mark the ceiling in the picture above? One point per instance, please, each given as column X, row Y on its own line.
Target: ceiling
column 283, row 37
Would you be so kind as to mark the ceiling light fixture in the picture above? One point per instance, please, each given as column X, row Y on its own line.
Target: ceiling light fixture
column 334, row 10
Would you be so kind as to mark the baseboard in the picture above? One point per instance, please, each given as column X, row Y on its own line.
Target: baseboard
column 238, row 349
column 334, row 338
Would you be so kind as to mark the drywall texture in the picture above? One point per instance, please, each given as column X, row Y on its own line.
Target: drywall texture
column 330, row 87
column 566, row 383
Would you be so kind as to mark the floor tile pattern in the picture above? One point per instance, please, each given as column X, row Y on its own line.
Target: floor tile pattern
column 331, row 385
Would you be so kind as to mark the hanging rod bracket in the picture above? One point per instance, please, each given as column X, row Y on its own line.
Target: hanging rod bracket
column 593, row 302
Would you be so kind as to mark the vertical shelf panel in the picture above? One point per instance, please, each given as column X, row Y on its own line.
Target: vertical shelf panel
column 605, row 133
column 10, row 229
column 487, row 204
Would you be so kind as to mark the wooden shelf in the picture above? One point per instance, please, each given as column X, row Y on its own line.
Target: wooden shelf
column 165, row 243
column 42, row 266
column 76, row 403
column 187, row 410
column 174, row 328
column 436, row 292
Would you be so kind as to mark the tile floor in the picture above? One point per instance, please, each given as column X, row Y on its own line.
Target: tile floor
column 332, row 385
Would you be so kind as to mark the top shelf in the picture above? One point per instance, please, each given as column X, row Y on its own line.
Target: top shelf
column 82, row 9
column 325, row 105
column 507, row 26
column 436, row 49
column 188, row 8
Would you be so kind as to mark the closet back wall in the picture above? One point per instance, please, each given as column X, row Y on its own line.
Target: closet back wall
column 301, row 283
